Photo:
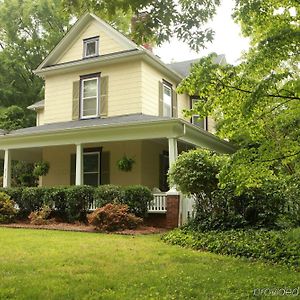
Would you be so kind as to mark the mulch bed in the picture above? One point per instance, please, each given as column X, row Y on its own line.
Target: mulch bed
column 80, row 227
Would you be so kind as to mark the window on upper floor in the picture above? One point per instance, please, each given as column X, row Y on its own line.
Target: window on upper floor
column 202, row 123
column 89, row 107
column 167, row 100
column 91, row 47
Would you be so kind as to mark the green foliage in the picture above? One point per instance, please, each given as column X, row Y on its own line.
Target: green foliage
column 7, row 210
column 125, row 163
column 72, row 203
column 27, row 174
column 41, row 168
column 257, row 102
column 137, row 197
column 113, row 217
column 195, row 172
column 268, row 205
column 155, row 21
column 15, row 117
column 79, row 198
column 29, row 31
column 261, row 207
column 275, row 246
column 108, row 193
column 32, row 199
column 40, row 217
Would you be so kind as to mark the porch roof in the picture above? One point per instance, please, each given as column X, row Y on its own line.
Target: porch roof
column 118, row 128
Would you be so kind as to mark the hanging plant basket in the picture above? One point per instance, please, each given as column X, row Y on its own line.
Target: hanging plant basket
column 125, row 163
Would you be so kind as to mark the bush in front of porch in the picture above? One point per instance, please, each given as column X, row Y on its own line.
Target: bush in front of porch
column 72, row 203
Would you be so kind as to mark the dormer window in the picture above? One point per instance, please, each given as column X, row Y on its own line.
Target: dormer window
column 91, row 47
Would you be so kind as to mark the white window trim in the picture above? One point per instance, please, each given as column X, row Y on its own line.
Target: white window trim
column 85, row 42
column 98, row 169
column 82, row 99
column 171, row 108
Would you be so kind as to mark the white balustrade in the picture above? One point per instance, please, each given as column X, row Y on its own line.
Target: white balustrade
column 158, row 204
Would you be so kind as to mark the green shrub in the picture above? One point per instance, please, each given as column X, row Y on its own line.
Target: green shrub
column 79, row 199
column 40, row 217
column 109, row 193
column 137, row 197
column 274, row 246
column 56, row 197
column 7, row 210
column 113, row 217
column 32, row 199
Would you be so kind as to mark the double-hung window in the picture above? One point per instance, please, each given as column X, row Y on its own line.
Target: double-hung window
column 202, row 123
column 91, row 47
column 91, row 168
column 89, row 97
column 167, row 100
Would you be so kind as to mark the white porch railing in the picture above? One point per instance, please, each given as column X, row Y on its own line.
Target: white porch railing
column 159, row 203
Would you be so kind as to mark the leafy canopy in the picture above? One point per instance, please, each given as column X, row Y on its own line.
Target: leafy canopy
column 256, row 103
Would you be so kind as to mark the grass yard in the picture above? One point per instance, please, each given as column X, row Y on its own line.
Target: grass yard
column 44, row 264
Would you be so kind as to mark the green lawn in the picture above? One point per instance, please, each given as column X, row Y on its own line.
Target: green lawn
column 40, row 264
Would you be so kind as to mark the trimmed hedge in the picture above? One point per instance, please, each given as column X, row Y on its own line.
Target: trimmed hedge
column 275, row 246
column 72, row 203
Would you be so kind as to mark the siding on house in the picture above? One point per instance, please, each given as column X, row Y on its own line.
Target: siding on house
column 59, row 158
column 124, row 91
column 150, row 91
column 106, row 44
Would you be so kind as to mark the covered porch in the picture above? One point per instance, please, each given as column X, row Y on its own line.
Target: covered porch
column 86, row 152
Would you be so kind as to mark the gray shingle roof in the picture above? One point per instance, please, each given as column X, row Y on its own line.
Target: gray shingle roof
column 120, row 120
column 37, row 105
column 183, row 67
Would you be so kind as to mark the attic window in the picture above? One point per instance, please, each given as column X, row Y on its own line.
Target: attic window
column 91, row 47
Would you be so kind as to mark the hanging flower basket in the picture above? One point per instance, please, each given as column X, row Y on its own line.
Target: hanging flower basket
column 125, row 163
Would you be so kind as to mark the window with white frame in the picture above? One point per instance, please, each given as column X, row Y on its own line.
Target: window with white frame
column 91, row 47
column 89, row 97
column 167, row 100
column 202, row 123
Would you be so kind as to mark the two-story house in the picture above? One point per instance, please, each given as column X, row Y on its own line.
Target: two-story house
column 106, row 98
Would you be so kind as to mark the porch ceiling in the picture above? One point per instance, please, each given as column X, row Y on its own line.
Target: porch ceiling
column 123, row 128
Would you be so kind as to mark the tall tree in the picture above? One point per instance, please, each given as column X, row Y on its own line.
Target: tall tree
column 156, row 20
column 257, row 103
column 28, row 31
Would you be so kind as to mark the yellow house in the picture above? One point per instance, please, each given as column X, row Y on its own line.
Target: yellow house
column 107, row 99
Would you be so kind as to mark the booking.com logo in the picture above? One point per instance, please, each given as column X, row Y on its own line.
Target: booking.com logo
column 269, row 292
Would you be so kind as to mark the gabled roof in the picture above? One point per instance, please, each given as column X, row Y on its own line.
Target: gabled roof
column 65, row 42
column 183, row 67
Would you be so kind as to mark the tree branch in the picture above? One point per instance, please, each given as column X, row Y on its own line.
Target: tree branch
column 279, row 158
column 250, row 92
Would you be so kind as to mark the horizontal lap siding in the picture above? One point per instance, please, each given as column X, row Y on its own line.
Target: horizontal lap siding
column 59, row 159
column 106, row 43
column 183, row 103
column 124, row 91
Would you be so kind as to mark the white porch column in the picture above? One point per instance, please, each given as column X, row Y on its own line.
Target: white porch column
column 79, row 165
column 173, row 151
column 7, row 169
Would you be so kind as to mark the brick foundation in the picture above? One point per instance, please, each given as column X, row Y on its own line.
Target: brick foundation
column 172, row 211
column 156, row 220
